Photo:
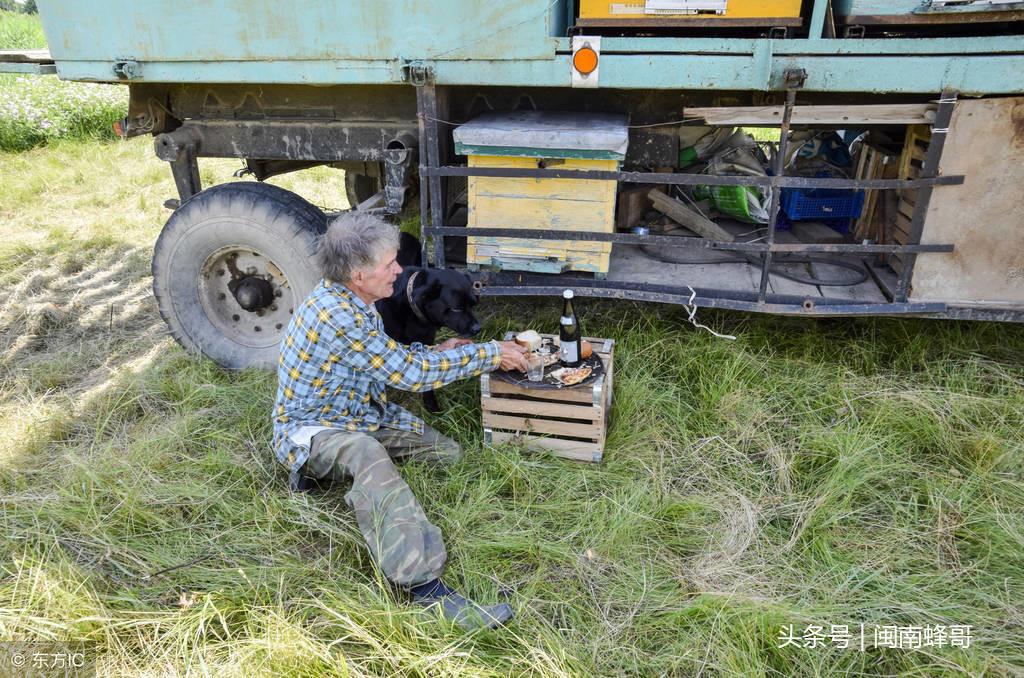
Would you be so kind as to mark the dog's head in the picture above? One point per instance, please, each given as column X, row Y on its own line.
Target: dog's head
column 448, row 299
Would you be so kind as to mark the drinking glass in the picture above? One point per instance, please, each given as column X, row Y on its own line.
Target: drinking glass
column 536, row 367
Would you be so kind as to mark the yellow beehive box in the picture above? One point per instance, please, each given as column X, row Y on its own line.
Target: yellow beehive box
column 531, row 140
column 766, row 12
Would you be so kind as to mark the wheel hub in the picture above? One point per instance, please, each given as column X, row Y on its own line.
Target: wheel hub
column 246, row 296
column 252, row 293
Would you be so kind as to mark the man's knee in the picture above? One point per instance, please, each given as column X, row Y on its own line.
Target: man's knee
column 337, row 454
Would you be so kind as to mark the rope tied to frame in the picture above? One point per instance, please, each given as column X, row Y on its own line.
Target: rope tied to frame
column 691, row 310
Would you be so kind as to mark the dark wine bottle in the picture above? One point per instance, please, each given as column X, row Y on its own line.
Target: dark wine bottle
column 570, row 337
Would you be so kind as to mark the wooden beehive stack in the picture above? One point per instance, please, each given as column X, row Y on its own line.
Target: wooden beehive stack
column 542, row 140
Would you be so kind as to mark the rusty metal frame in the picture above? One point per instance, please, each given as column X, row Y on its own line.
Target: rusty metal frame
column 433, row 209
column 929, row 170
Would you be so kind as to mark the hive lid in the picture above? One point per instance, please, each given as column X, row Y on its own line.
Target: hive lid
column 545, row 134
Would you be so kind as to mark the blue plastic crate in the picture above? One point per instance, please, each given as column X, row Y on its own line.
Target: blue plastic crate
column 821, row 203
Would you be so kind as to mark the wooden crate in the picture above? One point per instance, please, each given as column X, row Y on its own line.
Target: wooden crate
column 911, row 161
column 570, row 422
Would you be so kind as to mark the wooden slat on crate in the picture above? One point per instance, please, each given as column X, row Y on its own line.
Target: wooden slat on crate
column 541, row 408
column 530, row 425
column 570, row 449
column 570, row 394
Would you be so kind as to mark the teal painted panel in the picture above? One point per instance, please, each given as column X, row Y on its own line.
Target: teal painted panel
column 245, row 30
column 974, row 74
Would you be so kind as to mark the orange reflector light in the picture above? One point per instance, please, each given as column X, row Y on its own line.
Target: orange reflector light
column 585, row 60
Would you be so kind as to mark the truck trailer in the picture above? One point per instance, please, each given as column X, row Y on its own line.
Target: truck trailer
column 810, row 158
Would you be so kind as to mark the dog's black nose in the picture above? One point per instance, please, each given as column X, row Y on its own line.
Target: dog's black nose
column 475, row 329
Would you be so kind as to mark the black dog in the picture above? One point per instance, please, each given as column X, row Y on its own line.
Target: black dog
column 424, row 301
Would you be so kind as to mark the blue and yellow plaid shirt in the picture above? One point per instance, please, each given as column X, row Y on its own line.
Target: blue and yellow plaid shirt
column 335, row 363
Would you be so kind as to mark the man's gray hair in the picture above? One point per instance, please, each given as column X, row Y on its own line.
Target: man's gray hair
column 353, row 241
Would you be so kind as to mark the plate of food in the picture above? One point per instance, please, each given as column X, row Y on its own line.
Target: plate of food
column 555, row 375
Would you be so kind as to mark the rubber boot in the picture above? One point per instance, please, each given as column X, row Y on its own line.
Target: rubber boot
column 464, row 612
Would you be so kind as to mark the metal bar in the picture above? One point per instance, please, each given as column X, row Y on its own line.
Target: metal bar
column 930, row 168
column 421, row 122
column 433, row 152
column 773, row 212
column 532, row 280
column 185, row 169
column 313, row 140
column 683, row 298
column 817, row 20
column 28, row 69
column 690, row 179
column 679, row 241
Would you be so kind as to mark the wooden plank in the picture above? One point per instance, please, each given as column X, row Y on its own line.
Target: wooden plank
column 875, row 114
column 515, row 162
column 982, row 218
column 561, row 428
column 688, row 217
column 579, row 394
column 583, row 413
column 901, row 229
column 537, row 248
column 569, row 449
column 633, row 204
column 541, row 213
column 906, row 209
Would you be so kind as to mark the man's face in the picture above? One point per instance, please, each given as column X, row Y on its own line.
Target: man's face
column 378, row 282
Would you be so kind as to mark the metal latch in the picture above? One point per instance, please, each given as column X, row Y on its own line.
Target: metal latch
column 128, row 69
column 417, row 73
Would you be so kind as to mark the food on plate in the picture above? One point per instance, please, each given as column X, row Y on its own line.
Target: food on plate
column 529, row 340
column 549, row 358
column 586, row 350
column 569, row 376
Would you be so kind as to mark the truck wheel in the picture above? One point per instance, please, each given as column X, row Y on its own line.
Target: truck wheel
column 361, row 187
column 230, row 267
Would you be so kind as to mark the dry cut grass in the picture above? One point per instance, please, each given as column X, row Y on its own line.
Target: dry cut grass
column 810, row 473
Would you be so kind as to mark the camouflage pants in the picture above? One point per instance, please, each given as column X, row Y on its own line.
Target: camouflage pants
column 405, row 545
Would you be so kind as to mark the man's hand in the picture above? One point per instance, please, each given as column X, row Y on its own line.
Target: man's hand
column 452, row 343
column 513, row 356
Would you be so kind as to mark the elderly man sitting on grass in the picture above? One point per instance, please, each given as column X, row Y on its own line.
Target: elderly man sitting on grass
column 333, row 421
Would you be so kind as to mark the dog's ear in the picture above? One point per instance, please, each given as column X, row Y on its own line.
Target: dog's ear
column 431, row 290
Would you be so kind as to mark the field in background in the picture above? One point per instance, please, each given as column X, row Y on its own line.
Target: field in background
column 21, row 31
column 810, row 473
column 37, row 110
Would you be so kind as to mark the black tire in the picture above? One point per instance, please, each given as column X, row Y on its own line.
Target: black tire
column 269, row 231
column 361, row 187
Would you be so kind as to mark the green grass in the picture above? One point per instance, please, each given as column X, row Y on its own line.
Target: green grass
column 811, row 472
column 21, row 31
column 36, row 110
